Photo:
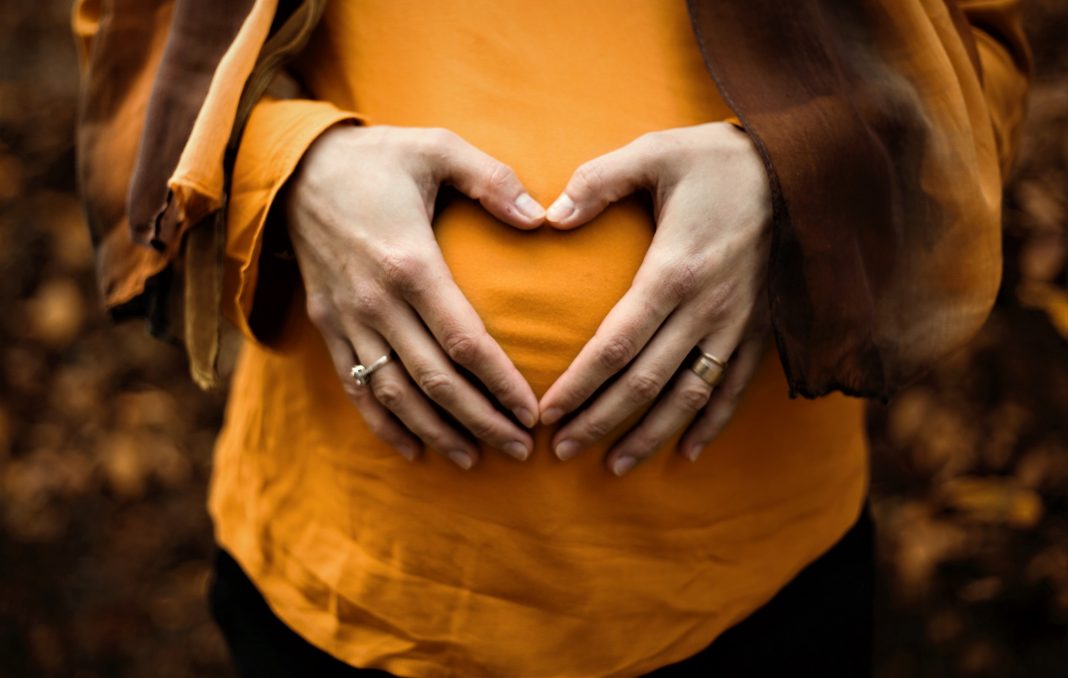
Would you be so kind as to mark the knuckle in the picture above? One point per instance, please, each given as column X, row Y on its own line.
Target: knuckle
column 499, row 177
column 388, row 392
column 693, row 398
column 589, row 177
column 462, row 347
column 715, row 424
column 368, row 300
column 437, row 385
column 649, row 141
column 434, row 144
column 680, row 281
column 615, row 353
column 376, row 425
column 642, row 445
column 402, row 270
column 440, row 438
column 720, row 303
column 595, row 428
column 732, row 390
column 501, row 385
column 377, row 429
column 441, row 137
column 356, row 393
column 660, row 145
column 352, row 391
column 319, row 310
column 425, row 431
column 644, row 387
column 482, row 429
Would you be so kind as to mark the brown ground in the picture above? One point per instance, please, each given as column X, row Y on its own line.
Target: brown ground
column 105, row 444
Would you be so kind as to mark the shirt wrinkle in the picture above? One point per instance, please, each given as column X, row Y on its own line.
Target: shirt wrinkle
column 435, row 572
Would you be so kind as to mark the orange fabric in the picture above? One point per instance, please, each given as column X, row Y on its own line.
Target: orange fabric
column 278, row 133
column 540, row 568
column 197, row 181
column 107, row 144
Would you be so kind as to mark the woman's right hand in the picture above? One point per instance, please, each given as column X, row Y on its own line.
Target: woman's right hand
column 359, row 213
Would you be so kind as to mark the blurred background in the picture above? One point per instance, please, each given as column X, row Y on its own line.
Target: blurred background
column 105, row 443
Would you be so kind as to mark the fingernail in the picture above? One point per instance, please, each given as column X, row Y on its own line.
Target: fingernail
column 561, row 209
column 566, row 449
column 694, row 451
column 408, row 452
column 551, row 415
column 462, row 459
column 623, row 464
column 517, row 450
column 529, row 207
column 525, row 416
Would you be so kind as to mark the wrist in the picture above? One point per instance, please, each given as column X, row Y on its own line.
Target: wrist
column 316, row 165
column 750, row 166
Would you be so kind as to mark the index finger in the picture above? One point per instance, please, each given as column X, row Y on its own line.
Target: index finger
column 488, row 180
column 460, row 331
column 622, row 334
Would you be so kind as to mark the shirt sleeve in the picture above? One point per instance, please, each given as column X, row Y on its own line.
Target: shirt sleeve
column 887, row 132
column 278, row 133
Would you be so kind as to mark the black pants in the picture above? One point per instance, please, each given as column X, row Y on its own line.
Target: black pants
column 820, row 624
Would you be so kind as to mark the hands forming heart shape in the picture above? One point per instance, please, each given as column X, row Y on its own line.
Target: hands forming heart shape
column 375, row 279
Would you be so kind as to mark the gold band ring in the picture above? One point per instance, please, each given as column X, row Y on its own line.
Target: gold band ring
column 708, row 367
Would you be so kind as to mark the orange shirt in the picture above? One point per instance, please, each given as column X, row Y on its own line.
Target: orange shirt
column 540, row 568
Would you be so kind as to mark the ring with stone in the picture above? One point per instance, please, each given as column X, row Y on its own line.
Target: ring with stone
column 361, row 374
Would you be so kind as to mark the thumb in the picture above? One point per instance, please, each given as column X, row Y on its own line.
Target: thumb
column 602, row 181
column 489, row 181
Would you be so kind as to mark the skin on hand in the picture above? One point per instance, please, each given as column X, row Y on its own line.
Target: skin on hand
column 702, row 283
column 359, row 213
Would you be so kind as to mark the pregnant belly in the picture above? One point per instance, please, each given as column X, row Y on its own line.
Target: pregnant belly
column 543, row 293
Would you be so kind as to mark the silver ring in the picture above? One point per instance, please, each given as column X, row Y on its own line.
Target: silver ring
column 361, row 374
column 703, row 364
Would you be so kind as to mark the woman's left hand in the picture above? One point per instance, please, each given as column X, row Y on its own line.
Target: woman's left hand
column 701, row 283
